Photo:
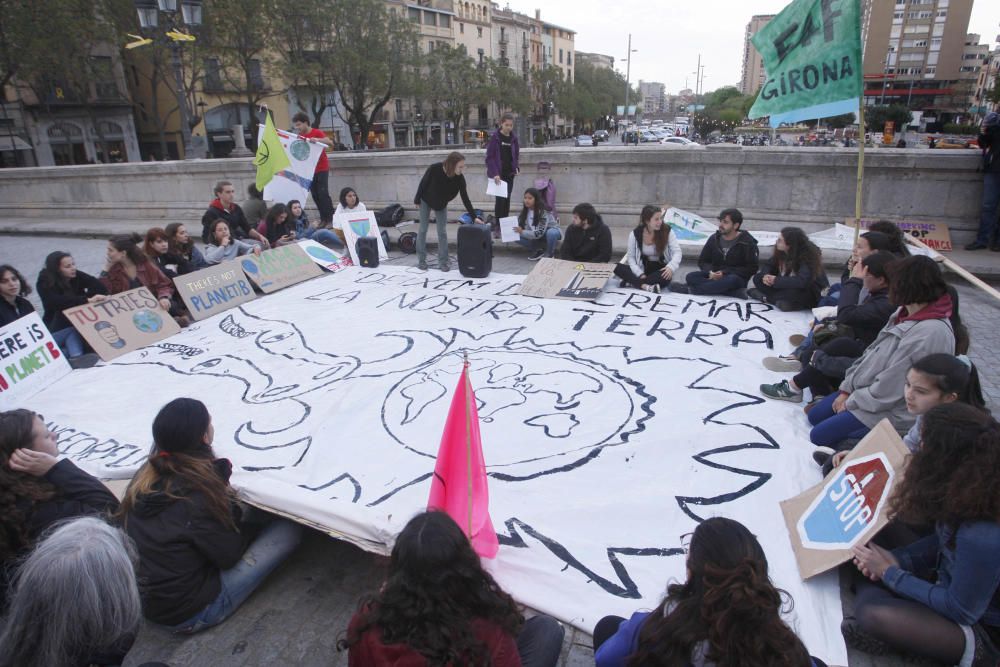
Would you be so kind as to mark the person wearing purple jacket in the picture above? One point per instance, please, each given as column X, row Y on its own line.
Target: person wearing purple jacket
column 502, row 152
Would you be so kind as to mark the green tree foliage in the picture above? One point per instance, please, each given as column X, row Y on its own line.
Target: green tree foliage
column 724, row 108
column 876, row 117
column 454, row 84
column 375, row 52
column 994, row 95
column 598, row 91
column 841, row 121
column 508, row 90
column 308, row 52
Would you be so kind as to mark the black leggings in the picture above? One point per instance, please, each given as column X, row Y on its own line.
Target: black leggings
column 652, row 272
column 823, row 385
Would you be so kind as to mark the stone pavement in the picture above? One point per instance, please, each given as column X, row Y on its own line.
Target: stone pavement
column 301, row 611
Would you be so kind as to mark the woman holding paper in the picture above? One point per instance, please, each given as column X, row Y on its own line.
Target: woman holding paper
column 939, row 597
column 502, row 151
column 441, row 183
column 654, row 253
column 538, row 227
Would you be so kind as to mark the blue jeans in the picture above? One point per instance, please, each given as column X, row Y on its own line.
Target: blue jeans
column 550, row 239
column 441, row 220
column 829, row 427
column 991, row 203
column 540, row 642
column 324, row 236
column 699, row 283
column 275, row 542
column 70, row 341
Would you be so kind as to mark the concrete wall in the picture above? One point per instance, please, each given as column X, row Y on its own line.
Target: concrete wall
column 772, row 186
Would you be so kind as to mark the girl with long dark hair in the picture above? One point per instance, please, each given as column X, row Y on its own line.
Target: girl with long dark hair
column 36, row 488
column 538, row 227
column 727, row 613
column 939, row 597
column 926, row 321
column 438, row 606
column 13, row 290
column 60, row 286
column 280, row 230
column 128, row 267
column 223, row 247
column 199, row 557
column 157, row 248
column 653, row 255
column 794, row 277
column 182, row 244
column 305, row 229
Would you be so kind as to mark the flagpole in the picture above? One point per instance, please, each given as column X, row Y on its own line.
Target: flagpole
column 861, row 166
column 468, row 438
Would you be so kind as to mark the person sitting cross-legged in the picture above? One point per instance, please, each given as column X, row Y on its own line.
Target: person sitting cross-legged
column 727, row 261
column 537, row 226
column 653, row 255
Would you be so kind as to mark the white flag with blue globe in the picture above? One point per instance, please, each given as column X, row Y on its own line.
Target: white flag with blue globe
column 293, row 182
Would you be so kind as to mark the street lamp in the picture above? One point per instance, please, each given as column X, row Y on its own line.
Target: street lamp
column 149, row 20
column 628, row 71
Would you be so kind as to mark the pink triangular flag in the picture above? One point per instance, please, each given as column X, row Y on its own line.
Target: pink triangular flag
column 459, row 484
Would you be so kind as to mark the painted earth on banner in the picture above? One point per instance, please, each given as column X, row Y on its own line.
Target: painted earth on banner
column 610, row 427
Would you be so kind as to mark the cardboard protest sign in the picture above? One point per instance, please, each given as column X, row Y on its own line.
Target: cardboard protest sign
column 279, row 267
column 214, row 289
column 30, row 360
column 331, row 260
column 848, row 507
column 934, row 235
column 359, row 224
column 122, row 322
column 559, row 279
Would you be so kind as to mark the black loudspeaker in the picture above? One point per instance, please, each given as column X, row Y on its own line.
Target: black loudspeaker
column 475, row 251
column 367, row 249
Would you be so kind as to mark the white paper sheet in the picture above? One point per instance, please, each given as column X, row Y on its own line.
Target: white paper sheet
column 496, row 189
column 507, row 226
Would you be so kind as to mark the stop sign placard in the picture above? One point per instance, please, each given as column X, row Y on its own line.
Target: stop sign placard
column 848, row 505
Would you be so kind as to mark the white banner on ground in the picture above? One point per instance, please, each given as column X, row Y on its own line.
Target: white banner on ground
column 610, row 427
column 294, row 182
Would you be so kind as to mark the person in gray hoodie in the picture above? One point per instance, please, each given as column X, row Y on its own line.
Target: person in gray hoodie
column 926, row 322
column 223, row 247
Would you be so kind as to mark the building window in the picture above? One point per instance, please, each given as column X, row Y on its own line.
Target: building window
column 479, row 33
column 430, row 46
column 569, row 59
column 430, row 18
column 560, row 56
column 445, row 21
column 413, row 14
column 256, row 75
column 461, row 28
column 213, row 74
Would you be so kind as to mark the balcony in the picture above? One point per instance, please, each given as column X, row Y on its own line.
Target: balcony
column 504, row 39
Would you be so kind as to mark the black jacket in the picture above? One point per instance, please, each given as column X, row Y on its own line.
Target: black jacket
column 438, row 188
column 182, row 548
column 592, row 244
column 866, row 318
column 742, row 259
column 239, row 228
column 56, row 298
column 990, row 143
column 805, row 280
column 9, row 313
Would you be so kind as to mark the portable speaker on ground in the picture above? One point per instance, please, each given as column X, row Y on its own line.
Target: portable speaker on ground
column 475, row 251
column 367, row 249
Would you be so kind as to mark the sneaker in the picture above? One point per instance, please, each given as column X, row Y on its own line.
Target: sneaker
column 757, row 295
column 796, row 339
column 812, row 404
column 537, row 255
column 823, row 454
column 84, row 361
column 782, row 364
column 422, row 266
column 781, row 391
column 446, row 267
column 976, row 245
column 741, row 293
column 679, row 289
column 858, row 639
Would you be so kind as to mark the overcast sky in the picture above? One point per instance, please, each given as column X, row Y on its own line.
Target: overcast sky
column 669, row 35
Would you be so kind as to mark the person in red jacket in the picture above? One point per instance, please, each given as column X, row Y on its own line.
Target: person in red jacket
column 320, row 187
column 439, row 606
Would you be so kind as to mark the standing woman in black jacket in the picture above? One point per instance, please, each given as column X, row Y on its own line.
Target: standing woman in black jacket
column 61, row 286
column 36, row 488
column 199, row 557
column 441, row 182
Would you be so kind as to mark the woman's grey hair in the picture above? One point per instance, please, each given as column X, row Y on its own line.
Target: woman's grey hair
column 73, row 597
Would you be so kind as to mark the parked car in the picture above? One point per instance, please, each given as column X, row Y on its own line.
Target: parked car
column 679, row 142
column 646, row 136
column 601, row 135
column 584, row 140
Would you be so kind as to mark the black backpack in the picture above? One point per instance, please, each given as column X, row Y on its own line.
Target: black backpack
column 390, row 216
